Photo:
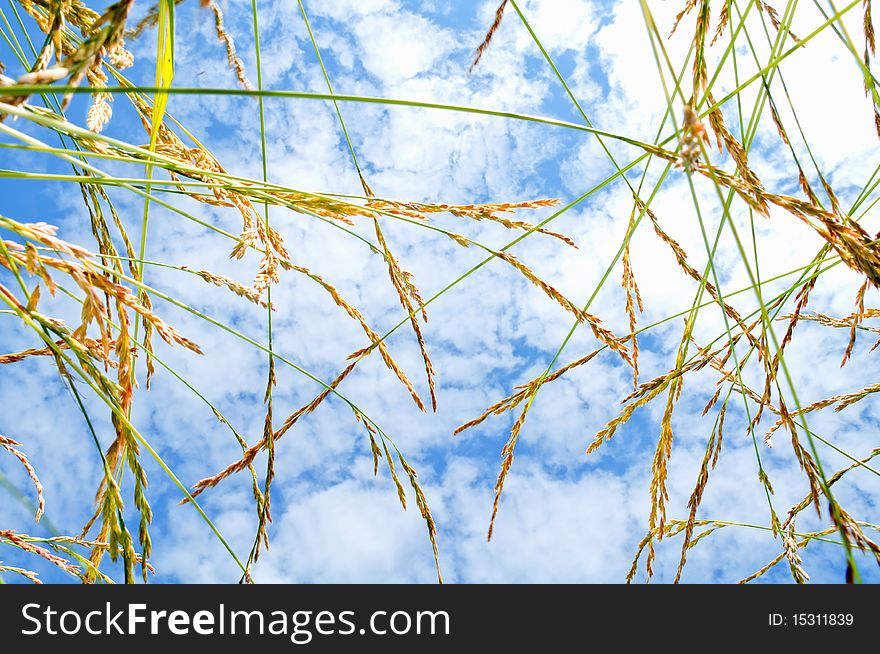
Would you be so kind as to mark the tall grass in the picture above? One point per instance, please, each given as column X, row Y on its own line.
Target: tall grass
column 81, row 53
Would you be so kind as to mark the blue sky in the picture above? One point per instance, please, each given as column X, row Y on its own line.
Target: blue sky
column 564, row 517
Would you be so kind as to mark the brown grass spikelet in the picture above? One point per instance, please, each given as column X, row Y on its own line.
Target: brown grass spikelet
column 247, row 292
column 634, row 568
column 481, row 49
column 492, row 212
column 265, row 513
column 868, row 29
column 607, row 432
column 805, row 540
column 506, row 462
column 548, row 290
column 852, row 531
column 681, row 258
column 401, row 493
column 633, row 299
column 424, row 510
column 603, row 334
column 95, row 349
column 12, row 446
column 375, row 451
column 30, row 575
column 805, row 185
column 119, row 57
column 735, row 148
column 701, row 81
column 225, row 38
column 832, row 197
column 712, row 401
column 688, row 7
column 856, row 321
column 804, row 458
column 251, row 452
column 774, row 18
column 112, row 531
column 693, row 136
column 90, row 281
column 761, row 571
column 659, row 466
column 842, row 401
column 105, row 34
column 697, row 496
column 100, row 112
column 723, row 20
column 458, row 238
column 705, row 358
column 525, row 391
column 808, row 499
column 803, row 297
column 315, row 403
column 401, row 283
column 673, row 528
column 721, row 415
column 41, row 76
column 150, row 19
column 23, row 543
column 778, row 123
column 795, row 563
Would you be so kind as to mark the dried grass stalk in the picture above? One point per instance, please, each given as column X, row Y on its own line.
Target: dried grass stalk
column 633, row 298
column 11, row 446
column 499, row 14
column 22, row 543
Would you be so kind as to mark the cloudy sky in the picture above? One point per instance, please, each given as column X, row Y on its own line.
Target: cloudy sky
column 564, row 516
